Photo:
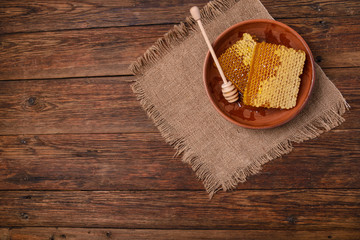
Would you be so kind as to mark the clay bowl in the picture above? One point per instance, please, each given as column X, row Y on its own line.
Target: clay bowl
column 251, row 117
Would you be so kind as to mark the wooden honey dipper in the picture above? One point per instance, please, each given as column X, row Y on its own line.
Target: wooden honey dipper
column 228, row 89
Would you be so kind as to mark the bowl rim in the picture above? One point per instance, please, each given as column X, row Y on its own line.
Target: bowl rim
column 207, row 57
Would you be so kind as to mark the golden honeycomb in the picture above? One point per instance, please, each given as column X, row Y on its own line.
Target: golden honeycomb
column 268, row 75
column 235, row 61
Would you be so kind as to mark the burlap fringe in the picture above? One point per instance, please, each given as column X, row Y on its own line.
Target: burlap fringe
column 177, row 35
column 161, row 47
column 199, row 166
column 327, row 121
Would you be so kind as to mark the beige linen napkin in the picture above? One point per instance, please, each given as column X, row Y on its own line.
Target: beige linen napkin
column 170, row 88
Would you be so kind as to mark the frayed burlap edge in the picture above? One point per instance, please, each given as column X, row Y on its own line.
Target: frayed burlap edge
column 199, row 166
column 328, row 120
column 324, row 123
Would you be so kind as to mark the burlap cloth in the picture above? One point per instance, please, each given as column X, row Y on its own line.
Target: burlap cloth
column 170, row 88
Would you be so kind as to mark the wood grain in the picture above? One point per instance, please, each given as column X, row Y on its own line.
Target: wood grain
column 109, row 51
column 79, row 159
column 74, row 53
column 107, row 105
column 314, row 209
column 293, row 197
column 144, row 162
column 71, row 105
column 39, row 233
column 39, row 15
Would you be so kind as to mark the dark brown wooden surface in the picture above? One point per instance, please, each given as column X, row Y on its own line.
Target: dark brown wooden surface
column 38, row 233
column 106, row 51
column 294, row 209
column 114, row 108
column 79, row 159
column 39, row 16
column 138, row 161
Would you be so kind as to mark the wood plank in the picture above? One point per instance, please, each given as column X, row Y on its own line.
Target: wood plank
column 4, row 234
column 39, row 233
column 40, row 15
column 107, row 105
column 74, row 53
column 109, row 51
column 144, row 162
column 255, row 209
column 71, row 105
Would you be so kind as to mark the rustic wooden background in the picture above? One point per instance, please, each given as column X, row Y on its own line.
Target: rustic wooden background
column 79, row 159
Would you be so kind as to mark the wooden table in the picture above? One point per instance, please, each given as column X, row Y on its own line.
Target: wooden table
column 79, row 159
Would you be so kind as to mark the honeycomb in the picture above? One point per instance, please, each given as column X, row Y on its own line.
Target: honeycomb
column 266, row 74
column 236, row 60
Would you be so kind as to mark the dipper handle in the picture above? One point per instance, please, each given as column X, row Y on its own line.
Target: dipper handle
column 195, row 13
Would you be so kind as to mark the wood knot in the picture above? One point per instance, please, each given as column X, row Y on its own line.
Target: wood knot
column 24, row 216
column 88, row 153
column 318, row 59
column 31, row 101
column 292, row 220
column 63, row 236
column 37, row 104
column 316, row 7
column 26, row 197
column 324, row 24
column 108, row 234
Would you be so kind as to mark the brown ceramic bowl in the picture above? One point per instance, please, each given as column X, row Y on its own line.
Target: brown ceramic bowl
column 251, row 117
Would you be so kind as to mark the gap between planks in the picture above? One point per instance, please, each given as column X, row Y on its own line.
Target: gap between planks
column 108, row 14
column 170, row 24
column 135, row 133
column 178, row 190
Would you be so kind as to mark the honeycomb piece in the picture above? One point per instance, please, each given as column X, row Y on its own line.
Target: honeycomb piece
column 266, row 74
column 274, row 77
column 236, row 60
